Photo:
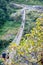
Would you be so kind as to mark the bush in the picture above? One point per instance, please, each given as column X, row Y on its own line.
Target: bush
column 1, row 61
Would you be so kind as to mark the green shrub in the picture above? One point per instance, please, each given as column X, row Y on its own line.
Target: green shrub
column 1, row 61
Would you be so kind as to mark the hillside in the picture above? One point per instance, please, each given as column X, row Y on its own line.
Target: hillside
column 29, row 2
column 21, row 32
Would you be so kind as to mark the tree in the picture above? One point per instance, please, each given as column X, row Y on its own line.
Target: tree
column 3, row 12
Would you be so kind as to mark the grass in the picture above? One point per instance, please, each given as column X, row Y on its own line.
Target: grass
column 31, row 18
column 10, row 27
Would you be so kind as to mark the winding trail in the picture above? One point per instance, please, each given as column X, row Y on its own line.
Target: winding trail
column 18, row 37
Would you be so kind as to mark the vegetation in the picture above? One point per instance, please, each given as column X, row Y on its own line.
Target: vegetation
column 31, row 45
column 32, row 2
column 31, row 20
column 7, row 24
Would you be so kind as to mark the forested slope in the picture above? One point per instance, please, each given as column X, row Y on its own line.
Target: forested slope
column 30, row 2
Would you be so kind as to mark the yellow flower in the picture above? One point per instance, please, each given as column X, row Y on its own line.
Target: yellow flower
column 19, row 47
column 27, row 35
column 13, row 45
column 22, row 53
